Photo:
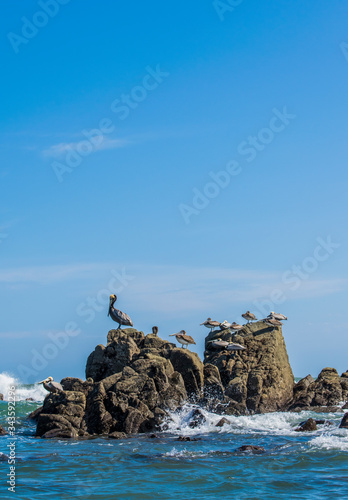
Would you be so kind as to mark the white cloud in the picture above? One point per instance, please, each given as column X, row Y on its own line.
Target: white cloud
column 62, row 148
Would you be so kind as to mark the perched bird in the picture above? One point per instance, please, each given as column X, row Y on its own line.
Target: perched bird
column 51, row 386
column 249, row 316
column 219, row 343
column 183, row 338
column 120, row 317
column 272, row 322
column 155, row 330
column 278, row 316
column 235, row 327
column 209, row 323
column 235, row 347
column 225, row 324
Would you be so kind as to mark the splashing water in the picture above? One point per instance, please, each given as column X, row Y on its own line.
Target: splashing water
column 35, row 392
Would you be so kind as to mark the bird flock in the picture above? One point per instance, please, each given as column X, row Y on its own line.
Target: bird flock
column 273, row 320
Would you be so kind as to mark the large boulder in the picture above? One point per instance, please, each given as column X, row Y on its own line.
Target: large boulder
column 344, row 422
column 259, row 378
column 191, row 368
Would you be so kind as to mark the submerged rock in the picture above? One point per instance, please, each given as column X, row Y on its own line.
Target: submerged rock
column 251, row 449
column 222, row 422
column 2, row 431
column 308, row 426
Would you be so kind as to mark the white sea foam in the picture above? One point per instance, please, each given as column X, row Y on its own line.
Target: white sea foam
column 23, row 391
column 332, row 440
column 278, row 423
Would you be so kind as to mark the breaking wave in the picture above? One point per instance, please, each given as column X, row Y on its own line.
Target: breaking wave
column 23, row 392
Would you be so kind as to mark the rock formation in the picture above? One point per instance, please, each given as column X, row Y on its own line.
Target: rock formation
column 136, row 380
column 322, row 394
column 259, row 378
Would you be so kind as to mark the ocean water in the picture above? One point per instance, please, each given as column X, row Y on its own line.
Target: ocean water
column 295, row 465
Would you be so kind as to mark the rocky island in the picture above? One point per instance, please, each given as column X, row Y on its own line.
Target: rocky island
column 135, row 382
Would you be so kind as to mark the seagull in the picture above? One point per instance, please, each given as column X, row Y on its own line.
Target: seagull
column 51, row 386
column 277, row 316
column 235, row 347
column 249, row 316
column 120, row 317
column 183, row 338
column 155, row 330
column 235, row 327
column 209, row 323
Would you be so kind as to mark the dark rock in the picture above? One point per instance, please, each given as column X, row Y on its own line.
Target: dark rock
column 117, row 435
column 63, row 411
column 197, row 419
column 251, row 448
column 2, row 431
column 231, row 407
column 153, row 436
column 344, row 422
column 76, row 384
column 222, row 422
column 213, row 388
column 1, row 397
column 191, row 368
column 29, row 399
column 187, row 438
column 3, row 457
column 59, row 433
column 308, row 426
column 345, row 407
column 34, row 415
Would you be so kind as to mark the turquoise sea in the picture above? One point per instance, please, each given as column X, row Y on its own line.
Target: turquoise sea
column 295, row 465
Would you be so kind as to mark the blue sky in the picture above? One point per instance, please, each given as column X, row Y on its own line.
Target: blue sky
column 224, row 168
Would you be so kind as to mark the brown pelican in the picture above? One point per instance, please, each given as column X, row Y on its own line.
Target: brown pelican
column 249, row 316
column 272, row 322
column 51, row 386
column 155, row 330
column 209, row 323
column 120, row 317
column 219, row 343
column 235, row 347
column 278, row 316
column 225, row 324
column 183, row 338
column 235, row 327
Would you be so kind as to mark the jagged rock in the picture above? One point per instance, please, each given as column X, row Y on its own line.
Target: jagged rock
column 259, row 378
column 308, row 426
column 230, row 407
column 197, row 419
column 132, row 333
column 1, row 397
column 213, row 388
column 34, row 415
column 191, row 368
column 222, row 422
column 2, row 431
column 59, row 433
column 76, row 384
column 344, row 422
column 187, row 438
column 61, row 411
column 106, row 361
column 345, row 407
column 251, row 448
column 326, row 391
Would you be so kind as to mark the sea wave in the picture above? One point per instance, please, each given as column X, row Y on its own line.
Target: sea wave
column 23, row 392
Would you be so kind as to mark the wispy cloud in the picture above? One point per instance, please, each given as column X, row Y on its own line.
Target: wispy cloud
column 172, row 289
column 62, row 148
